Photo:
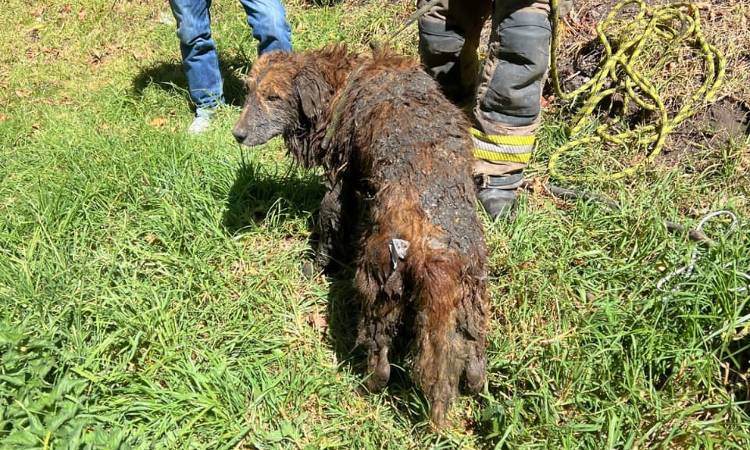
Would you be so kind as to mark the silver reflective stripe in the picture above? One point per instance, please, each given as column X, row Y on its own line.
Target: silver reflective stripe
column 502, row 148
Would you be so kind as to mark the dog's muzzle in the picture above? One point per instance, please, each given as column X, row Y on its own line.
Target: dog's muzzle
column 239, row 134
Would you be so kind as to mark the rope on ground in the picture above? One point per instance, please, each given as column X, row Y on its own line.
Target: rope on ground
column 674, row 24
column 687, row 270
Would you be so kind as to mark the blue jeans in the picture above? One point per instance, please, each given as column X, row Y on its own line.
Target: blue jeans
column 267, row 18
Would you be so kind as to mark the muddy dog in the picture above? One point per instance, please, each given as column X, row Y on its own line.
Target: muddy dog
column 396, row 157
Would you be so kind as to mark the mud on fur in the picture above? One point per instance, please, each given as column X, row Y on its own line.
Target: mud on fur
column 396, row 156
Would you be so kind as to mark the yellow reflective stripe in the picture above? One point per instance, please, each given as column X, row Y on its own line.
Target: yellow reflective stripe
column 500, row 156
column 503, row 140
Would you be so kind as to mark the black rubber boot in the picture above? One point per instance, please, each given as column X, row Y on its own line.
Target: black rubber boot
column 497, row 193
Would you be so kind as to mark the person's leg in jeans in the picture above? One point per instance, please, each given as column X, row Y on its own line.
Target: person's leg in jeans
column 199, row 58
column 448, row 41
column 268, row 20
column 509, row 99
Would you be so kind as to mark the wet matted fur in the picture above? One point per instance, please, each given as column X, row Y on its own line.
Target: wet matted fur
column 396, row 155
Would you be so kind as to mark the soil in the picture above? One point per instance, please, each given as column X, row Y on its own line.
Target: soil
column 728, row 118
column 723, row 122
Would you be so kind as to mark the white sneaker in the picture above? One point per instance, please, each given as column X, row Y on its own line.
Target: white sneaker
column 202, row 121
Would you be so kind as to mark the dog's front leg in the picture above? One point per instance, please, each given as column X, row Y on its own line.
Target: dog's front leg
column 329, row 226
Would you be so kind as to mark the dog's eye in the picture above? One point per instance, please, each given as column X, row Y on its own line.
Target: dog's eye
column 273, row 98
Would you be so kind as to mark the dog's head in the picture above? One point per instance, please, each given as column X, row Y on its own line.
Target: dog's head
column 272, row 104
column 289, row 94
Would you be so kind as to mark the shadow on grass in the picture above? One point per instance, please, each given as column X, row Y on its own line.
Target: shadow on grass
column 253, row 199
column 343, row 315
column 257, row 194
column 170, row 77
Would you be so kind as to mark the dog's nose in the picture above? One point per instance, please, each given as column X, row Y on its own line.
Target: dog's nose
column 239, row 134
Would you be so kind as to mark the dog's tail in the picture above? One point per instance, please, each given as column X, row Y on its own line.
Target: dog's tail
column 450, row 323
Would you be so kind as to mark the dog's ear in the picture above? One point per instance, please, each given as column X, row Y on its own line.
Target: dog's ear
column 314, row 93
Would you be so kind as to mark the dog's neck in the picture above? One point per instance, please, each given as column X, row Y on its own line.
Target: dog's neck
column 336, row 73
column 323, row 82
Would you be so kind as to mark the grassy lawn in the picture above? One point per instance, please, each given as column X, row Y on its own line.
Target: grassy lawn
column 151, row 297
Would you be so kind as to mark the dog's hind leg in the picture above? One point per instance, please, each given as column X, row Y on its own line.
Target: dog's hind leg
column 381, row 290
column 473, row 314
column 377, row 330
column 449, row 326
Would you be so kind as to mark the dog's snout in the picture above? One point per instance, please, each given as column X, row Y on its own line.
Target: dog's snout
column 240, row 134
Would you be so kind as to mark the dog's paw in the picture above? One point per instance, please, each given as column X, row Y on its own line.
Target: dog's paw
column 475, row 370
column 380, row 371
column 310, row 269
column 438, row 412
column 475, row 373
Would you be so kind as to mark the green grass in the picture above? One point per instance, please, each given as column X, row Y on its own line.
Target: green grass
column 150, row 292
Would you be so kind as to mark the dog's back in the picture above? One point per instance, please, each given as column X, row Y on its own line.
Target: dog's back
column 407, row 137
column 422, row 256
